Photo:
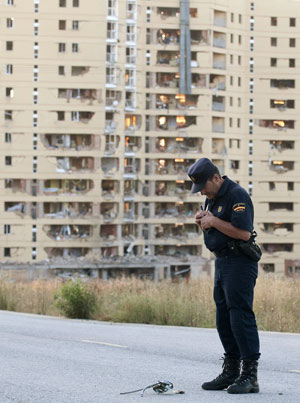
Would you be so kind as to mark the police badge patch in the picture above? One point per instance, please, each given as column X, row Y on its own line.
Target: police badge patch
column 239, row 207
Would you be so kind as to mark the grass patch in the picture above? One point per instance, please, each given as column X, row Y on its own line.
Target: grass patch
column 277, row 301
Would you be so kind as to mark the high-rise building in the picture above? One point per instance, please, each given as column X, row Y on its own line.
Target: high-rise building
column 105, row 105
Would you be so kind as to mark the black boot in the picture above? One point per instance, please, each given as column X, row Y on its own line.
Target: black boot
column 247, row 381
column 231, row 371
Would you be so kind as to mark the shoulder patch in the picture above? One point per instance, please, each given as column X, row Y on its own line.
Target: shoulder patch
column 239, row 207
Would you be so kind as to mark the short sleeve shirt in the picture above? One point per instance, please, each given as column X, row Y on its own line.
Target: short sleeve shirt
column 232, row 204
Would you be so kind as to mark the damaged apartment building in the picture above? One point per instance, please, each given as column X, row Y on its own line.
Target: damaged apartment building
column 106, row 104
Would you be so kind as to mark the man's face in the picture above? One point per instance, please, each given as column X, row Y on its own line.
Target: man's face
column 211, row 188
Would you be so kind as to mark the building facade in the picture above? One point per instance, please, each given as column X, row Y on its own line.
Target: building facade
column 106, row 103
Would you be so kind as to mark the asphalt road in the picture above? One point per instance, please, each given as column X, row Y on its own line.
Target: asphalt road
column 45, row 360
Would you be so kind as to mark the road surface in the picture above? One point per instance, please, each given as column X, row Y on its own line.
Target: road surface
column 47, row 359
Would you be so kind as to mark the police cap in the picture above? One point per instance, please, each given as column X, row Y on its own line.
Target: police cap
column 200, row 172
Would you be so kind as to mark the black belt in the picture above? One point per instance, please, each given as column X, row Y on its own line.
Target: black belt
column 227, row 252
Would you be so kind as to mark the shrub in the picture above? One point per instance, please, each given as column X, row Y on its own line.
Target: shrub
column 75, row 300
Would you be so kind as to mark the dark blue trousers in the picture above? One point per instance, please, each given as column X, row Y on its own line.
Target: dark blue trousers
column 235, row 279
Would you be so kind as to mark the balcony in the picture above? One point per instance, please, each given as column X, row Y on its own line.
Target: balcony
column 177, row 209
column 70, row 94
column 76, row 142
column 219, row 61
column 74, row 164
column 168, row 36
column 219, row 40
column 67, row 210
column 176, row 232
column 68, row 232
column 67, row 186
column 176, row 102
column 179, row 145
column 280, row 125
column 279, row 166
column 108, row 233
column 218, row 125
column 282, row 84
column 170, row 58
column 110, row 126
column 110, row 189
column 110, row 166
column 132, row 145
column 180, row 188
column 167, row 80
column 109, row 211
column 66, row 253
column 171, row 123
column 218, row 103
column 217, row 82
column 177, row 166
column 111, row 144
column 220, row 18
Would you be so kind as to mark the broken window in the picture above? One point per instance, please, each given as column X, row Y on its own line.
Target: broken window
column 79, row 70
column 278, row 247
column 285, row 206
column 282, row 83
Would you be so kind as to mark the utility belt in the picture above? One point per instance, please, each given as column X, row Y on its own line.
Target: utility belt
column 239, row 248
column 227, row 252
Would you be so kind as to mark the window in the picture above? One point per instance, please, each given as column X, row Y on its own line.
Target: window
column 75, row 47
column 62, row 3
column 8, row 115
column 7, row 137
column 75, row 3
column 61, row 47
column 232, row 17
column 273, row 62
column 60, row 115
column 239, row 81
column 61, row 70
column 273, row 41
column 290, row 185
column 292, row 22
column 240, row 18
column 9, row 92
column 9, row 2
column 239, row 59
column 8, row 160
column 231, row 80
column 9, row 45
column 231, row 101
column 231, row 59
column 292, row 62
column 75, row 116
column 6, row 229
column 238, row 122
column 62, row 24
column 9, row 22
column 75, row 25
column 231, row 38
column 273, row 21
column 9, row 69
column 7, row 252
column 240, row 39
column 292, row 42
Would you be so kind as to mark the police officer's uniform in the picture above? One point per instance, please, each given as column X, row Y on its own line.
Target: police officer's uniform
column 235, row 273
column 235, row 277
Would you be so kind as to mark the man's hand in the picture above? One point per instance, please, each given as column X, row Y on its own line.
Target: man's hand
column 204, row 219
column 207, row 220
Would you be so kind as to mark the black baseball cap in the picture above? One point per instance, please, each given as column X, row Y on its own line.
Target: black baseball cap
column 200, row 172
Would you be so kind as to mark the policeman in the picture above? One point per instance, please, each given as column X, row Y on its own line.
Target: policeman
column 227, row 216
